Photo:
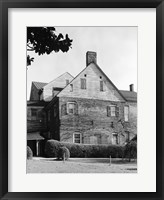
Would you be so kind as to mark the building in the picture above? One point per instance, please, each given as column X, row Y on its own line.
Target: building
column 91, row 110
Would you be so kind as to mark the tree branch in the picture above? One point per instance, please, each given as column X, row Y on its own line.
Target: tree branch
column 31, row 48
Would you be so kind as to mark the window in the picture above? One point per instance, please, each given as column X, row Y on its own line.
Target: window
column 33, row 112
column 71, row 87
column 67, row 81
column 77, row 138
column 126, row 113
column 127, row 136
column 115, row 139
column 83, row 83
column 101, row 86
column 112, row 111
column 71, row 108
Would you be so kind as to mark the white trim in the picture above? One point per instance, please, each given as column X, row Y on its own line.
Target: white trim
column 68, row 108
column 74, row 137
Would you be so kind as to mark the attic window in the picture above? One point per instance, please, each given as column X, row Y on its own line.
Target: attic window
column 71, row 87
column 83, row 83
column 85, row 75
column 101, row 86
column 100, row 77
column 67, row 81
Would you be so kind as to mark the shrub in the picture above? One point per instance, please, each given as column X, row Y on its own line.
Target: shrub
column 29, row 153
column 63, row 151
column 131, row 150
column 52, row 148
column 94, row 151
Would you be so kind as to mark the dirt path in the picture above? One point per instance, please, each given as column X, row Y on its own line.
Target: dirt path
column 80, row 165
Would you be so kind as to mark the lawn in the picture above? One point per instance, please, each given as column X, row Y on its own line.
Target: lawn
column 80, row 165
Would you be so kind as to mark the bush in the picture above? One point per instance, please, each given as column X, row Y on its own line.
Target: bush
column 52, row 148
column 131, row 150
column 84, row 150
column 29, row 153
column 63, row 151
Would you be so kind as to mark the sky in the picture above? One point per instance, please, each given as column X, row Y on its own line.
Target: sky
column 116, row 49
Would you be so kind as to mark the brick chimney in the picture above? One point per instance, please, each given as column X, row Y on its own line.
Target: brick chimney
column 91, row 57
column 131, row 87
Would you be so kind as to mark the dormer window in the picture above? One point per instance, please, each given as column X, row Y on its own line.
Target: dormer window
column 83, row 83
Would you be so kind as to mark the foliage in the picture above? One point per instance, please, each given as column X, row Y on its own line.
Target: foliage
column 29, row 153
column 63, row 151
column 84, row 150
column 131, row 150
column 43, row 40
column 52, row 148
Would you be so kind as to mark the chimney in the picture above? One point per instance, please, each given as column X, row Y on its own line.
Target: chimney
column 131, row 87
column 91, row 57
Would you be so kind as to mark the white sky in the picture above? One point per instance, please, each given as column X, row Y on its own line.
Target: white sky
column 116, row 49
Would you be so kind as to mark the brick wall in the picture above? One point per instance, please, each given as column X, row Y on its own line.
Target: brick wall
column 92, row 122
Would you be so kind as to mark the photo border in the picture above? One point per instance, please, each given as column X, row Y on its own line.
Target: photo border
column 4, row 5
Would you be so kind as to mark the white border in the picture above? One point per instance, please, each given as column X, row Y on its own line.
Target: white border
column 145, row 179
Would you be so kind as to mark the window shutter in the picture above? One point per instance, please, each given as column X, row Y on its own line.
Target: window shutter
column 76, row 109
column 83, row 83
column 63, row 109
column 101, row 85
column 117, row 111
column 108, row 111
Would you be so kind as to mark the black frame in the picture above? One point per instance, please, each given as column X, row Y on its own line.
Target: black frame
column 4, row 5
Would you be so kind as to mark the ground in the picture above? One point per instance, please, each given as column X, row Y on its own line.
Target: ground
column 81, row 165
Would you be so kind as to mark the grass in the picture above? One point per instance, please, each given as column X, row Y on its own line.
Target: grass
column 80, row 165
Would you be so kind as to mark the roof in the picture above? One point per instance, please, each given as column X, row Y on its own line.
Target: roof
column 129, row 95
column 34, row 136
column 39, row 85
column 36, row 103
column 60, row 77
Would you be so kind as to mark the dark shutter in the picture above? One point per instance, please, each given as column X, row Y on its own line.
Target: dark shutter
column 108, row 111
column 101, row 85
column 76, row 109
column 83, row 83
column 117, row 111
column 63, row 109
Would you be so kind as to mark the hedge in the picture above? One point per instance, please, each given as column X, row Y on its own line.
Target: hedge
column 63, row 152
column 130, row 150
column 84, row 150
column 29, row 153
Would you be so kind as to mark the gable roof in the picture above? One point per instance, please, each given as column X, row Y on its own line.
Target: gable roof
column 129, row 95
column 110, row 81
column 39, row 85
column 60, row 77
column 102, row 74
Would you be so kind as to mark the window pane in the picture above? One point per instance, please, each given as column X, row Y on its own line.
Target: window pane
column 71, row 108
column 76, row 138
column 113, row 110
column 126, row 113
